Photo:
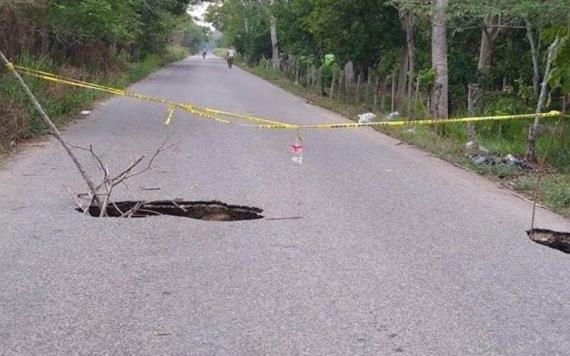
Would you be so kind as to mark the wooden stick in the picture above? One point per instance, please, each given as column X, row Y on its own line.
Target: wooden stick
column 393, row 103
column 332, row 84
column 472, row 97
column 375, row 89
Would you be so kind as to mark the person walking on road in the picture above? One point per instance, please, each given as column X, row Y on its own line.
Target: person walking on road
column 204, row 52
column 231, row 55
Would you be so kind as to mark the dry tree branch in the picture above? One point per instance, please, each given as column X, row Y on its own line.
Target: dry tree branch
column 179, row 206
column 116, row 207
column 133, row 210
column 104, row 190
column 158, row 151
column 125, row 174
column 155, row 213
column 75, row 197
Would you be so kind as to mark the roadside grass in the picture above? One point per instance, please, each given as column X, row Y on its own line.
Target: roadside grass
column 449, row 143
column 18, row 119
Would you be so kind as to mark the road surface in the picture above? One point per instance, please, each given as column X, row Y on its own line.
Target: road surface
column 396, row 252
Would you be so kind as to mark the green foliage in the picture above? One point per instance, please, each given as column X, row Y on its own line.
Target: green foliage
column 560, row 76
column 389, row 61
column 245, row 25
column 104, row 20
column 293, row 28
column 95, row 32
column 426, row 77
column 111, row 41
column 362, row 30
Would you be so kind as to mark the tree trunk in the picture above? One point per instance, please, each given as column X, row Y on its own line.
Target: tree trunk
column 488, row 36
column 383, row 97
column 411, row 63
column 402, row 79
column 417, row 92
column 485, row 52
column 274, row 44
column 439, row 60
column 408, row 21
column 530, row 155
column 534, row 54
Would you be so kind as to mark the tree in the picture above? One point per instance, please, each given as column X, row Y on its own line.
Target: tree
column 533, row 130
column 439, row 59
column 90, row 31
column 538, row 16
column 362, row 30
column 273, row 31
column 409, row 13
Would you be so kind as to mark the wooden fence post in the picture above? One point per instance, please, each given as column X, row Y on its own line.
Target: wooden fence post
column 340, row 85
column 357, row 95
column 472, row 98
column 375, row 89
column 332, row 84
column 393, row 104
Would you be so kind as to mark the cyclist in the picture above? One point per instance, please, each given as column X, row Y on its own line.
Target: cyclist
column 231, row 55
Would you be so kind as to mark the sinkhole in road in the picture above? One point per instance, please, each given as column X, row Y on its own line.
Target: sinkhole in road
column 202, row 210
column 554, row 239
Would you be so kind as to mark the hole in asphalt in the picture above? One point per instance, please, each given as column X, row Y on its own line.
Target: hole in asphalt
column 203, row 210
column 557, row 240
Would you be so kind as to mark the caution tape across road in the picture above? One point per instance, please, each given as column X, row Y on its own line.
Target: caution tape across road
column 551, row 114
column 258, row 122
column 194, row 109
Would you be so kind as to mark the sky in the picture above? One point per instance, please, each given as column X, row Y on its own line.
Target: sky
column 198, row 11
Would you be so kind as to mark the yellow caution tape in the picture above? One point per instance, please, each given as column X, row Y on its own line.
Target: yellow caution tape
column 246, row 117
column 550, row 114
column 213, row 114
column 54, row 77
column 171, row 111
column 194, row 109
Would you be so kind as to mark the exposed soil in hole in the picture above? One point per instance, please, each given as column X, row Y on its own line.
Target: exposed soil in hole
column 203, row 210
column 554, row 239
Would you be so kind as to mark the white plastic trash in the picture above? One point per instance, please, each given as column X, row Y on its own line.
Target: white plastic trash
column 393, row 116
column 366, row 118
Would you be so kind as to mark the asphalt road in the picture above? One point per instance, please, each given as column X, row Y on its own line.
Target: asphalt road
column 397, row 252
